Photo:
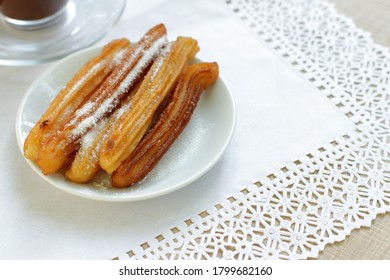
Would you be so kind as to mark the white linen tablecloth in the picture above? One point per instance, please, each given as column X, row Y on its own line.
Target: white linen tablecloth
column 280, row 116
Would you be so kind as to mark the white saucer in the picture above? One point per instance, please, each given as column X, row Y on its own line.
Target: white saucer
column 80, row 25
column 196, row 151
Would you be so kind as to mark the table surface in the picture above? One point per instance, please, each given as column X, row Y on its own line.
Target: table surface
column 373, row 242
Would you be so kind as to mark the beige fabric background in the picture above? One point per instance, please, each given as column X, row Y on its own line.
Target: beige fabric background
column 373, row 242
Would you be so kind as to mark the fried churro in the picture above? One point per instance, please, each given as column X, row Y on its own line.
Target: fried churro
column 77, row 90
column 122, row 110
column 158, row 83
column 169, row 125
column 85, row 165
column 103, row 102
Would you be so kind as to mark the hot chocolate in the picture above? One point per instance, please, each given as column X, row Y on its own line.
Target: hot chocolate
column 27, row 10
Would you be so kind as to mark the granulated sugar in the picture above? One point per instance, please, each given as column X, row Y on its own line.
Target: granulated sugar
column 111, row 102
column 182, row 151
column 82, row 81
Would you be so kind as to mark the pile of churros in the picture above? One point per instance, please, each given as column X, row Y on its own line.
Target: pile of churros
column 122, row 110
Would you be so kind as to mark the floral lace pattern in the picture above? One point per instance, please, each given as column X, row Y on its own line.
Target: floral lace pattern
column 319, row 198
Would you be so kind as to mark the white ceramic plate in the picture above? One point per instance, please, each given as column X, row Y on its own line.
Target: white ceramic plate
column 196, row 151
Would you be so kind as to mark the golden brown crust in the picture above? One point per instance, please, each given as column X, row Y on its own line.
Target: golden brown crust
column 102, row 102
column 85, row 165
column 158, row 83
column 169, row 126
column 83, row 131
column 77, row 90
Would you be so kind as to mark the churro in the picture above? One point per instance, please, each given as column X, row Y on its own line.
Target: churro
column 169, row 126
column 122, row 110
column 85, row 165
column 158, row 83
column 103, row 102
column 77, row 90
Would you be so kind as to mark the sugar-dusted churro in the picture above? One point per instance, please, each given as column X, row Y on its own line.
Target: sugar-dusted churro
column 103, row 102
column 169, row 125
column 122, row 111
column 85, row 165
column 158, row 83
column 77, row 90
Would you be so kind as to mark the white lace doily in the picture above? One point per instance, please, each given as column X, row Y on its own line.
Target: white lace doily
column 319, row 198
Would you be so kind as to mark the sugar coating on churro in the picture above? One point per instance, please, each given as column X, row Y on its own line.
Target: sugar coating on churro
column 109, row 103
column 82, row 80
column 155, row 87
column 122, row 111
column 80, row 87
column 112, row 63
column 169, row 125
column 65, row 141
column 88, row 139
column 85, row 165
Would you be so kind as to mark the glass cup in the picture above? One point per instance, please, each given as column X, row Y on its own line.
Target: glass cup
column 31, row 14
column 38, row 31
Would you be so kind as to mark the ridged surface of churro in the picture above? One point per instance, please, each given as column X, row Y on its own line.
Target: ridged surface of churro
column 169, row 126
column 158, row 83
column 77, row 90
column 103, row 102
column 122, row 110
column 85, row 165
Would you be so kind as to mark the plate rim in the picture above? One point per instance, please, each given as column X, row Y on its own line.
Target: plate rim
column 125, row 198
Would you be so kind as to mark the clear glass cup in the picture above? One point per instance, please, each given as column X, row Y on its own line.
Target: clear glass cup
column 38, row 31
column 32, row 14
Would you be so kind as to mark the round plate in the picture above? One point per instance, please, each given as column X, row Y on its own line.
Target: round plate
column 197, row 149
column 80, row 25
